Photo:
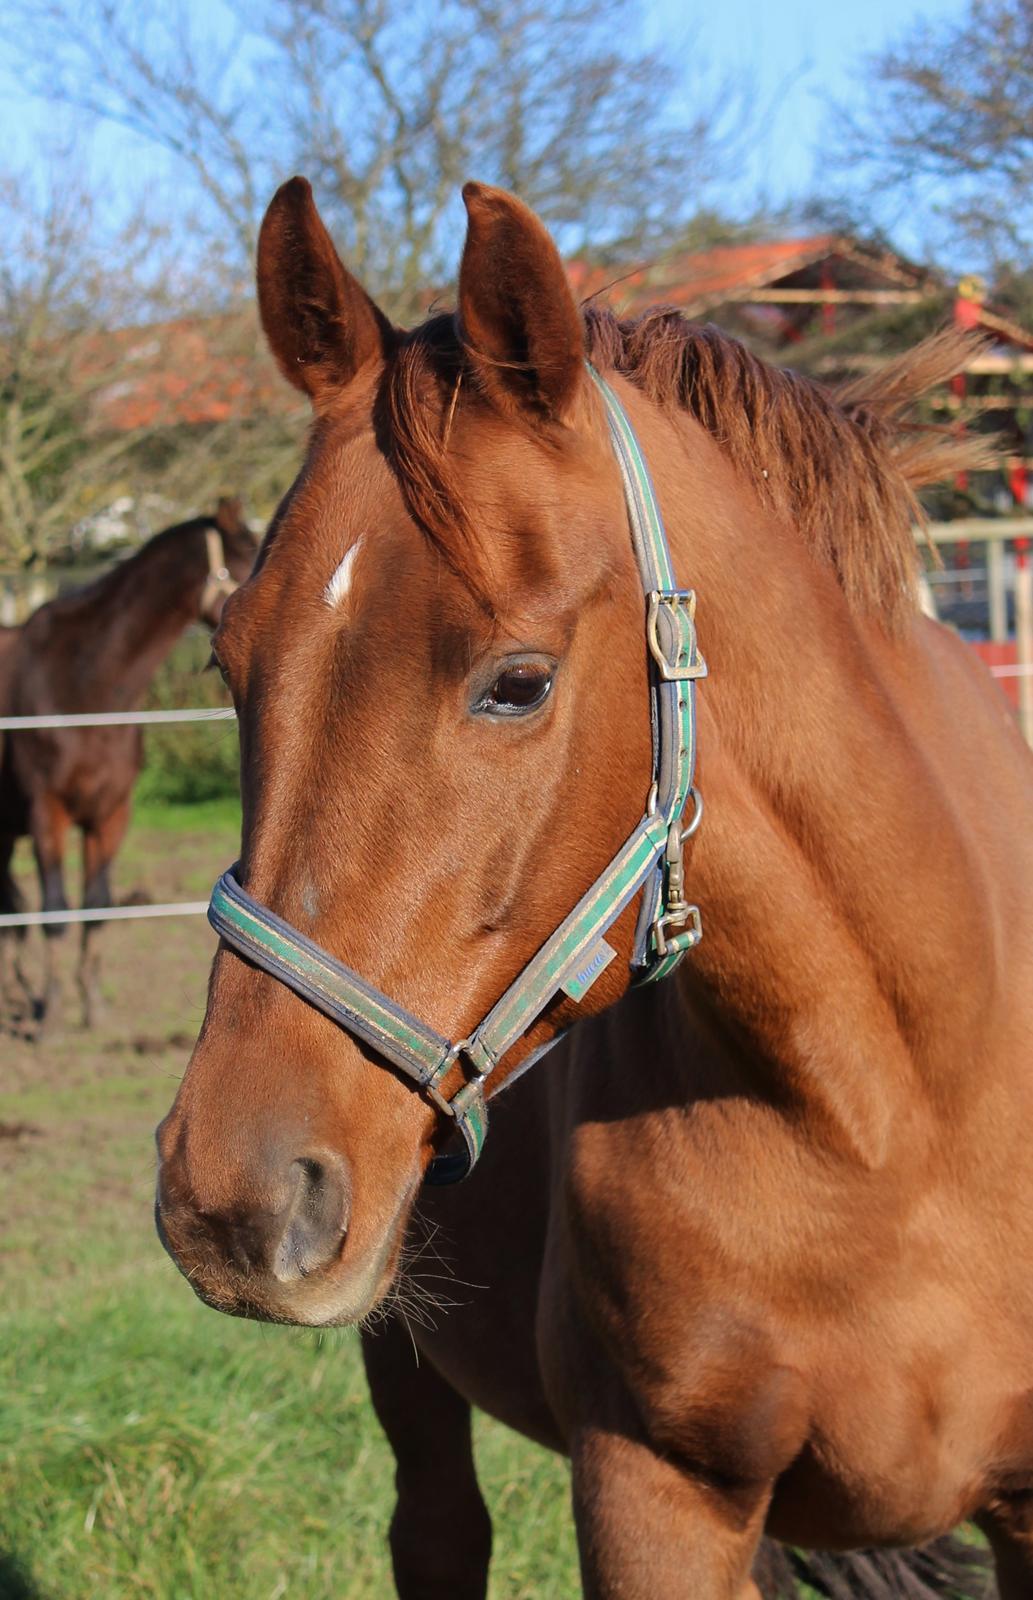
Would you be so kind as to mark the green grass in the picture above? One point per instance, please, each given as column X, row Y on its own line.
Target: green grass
column 149, row 1446
column 221, row 815
column 188, row 763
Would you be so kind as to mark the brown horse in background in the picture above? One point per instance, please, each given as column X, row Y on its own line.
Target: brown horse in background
column 97, row 649
column 761, row 1250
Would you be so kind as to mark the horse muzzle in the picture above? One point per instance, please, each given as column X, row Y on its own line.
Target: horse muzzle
column 278, row 1250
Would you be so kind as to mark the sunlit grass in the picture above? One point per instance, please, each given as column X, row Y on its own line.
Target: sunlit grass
column 149, row 1447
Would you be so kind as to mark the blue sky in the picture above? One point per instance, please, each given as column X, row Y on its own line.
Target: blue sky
column 802, row 55
column 798, row 53
column 810, row 49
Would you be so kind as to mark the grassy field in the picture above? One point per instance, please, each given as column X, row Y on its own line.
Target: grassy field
column 149, row 1446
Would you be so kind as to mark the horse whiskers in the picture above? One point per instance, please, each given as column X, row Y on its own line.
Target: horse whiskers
column 409, row 1295
column 413, row 1295
column 402, row 1305
column 410, row 1298
column 463, row 1283
column 431, row 1303
column 414, row 1251
column 400, row 1310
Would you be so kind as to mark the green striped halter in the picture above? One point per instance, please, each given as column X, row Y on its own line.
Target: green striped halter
column 572, row 958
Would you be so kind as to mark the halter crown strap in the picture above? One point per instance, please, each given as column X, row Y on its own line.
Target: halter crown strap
column 571, row 958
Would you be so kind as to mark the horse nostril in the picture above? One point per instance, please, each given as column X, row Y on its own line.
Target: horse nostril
column 316, row 1218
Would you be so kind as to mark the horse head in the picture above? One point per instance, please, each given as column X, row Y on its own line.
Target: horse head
column 440, row 677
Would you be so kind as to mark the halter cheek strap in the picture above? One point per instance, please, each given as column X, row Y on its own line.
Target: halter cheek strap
column 572, row 958
column 218, row 581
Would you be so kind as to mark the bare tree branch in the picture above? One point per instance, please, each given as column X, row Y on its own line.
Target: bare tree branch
column 389, row 105
column 950, row 118
column 83, row 417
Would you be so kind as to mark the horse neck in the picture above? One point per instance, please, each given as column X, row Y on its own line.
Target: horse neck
column 144, row 605
column 831, row 863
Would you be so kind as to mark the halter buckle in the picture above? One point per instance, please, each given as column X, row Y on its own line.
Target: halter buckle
column 682, row 660
column 478, row 1071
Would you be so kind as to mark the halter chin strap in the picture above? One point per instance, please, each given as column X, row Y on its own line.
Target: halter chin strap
column 573, row 957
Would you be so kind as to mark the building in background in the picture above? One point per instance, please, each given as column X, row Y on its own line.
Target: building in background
column 834, row 307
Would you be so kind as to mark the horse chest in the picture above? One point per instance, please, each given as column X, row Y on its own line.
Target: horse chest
column 830, row 1345
column 900, row 1444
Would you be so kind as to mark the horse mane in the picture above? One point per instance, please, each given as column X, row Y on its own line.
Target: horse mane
column 843, row 464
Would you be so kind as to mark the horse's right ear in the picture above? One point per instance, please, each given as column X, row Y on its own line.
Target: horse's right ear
column 321, row 324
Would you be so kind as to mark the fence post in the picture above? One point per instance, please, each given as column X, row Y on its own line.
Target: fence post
column 1024, row 635
column 996, row 579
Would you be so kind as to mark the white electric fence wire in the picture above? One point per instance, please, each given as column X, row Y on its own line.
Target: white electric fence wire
column 117, row 719
column 110, row 719
column 41, row 919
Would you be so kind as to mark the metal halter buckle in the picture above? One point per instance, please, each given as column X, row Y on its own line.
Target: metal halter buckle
column 680, row 606
column 477, row 1073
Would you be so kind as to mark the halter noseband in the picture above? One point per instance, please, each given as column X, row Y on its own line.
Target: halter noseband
column 572, row 958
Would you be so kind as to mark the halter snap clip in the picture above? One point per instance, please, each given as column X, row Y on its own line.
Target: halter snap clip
column 677, row 910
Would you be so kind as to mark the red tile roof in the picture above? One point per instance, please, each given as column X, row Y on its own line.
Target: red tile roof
column 702, row 277
column 208, row 370
column 186, row 371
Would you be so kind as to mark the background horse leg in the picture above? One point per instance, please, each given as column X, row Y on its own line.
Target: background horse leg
column 1008, row 1525
column 99, row 847
column 13, row 995
column 440, row 1533
column 49, row 824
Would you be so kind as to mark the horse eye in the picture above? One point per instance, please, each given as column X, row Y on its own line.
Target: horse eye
column 520, row 687
column 215, row 665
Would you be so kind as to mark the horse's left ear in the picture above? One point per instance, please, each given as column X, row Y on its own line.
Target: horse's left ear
column 517, row 315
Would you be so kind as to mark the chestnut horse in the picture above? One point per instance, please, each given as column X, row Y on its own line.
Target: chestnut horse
column 97, row 649
column 760, row 1244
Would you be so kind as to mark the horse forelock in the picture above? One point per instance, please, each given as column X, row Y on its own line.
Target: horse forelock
column 843, row 465
column 419, row 398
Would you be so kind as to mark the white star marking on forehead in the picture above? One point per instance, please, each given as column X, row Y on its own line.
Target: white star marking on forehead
column 340, row 583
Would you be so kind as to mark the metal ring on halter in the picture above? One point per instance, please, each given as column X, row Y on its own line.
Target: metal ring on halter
column 688, row 829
